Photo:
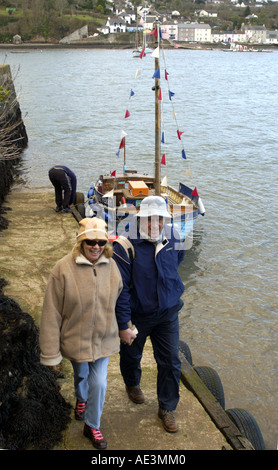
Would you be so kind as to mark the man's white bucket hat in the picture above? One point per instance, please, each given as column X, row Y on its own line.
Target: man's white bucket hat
column 153, row 205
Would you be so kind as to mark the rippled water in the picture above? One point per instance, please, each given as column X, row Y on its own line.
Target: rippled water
column 226, row 106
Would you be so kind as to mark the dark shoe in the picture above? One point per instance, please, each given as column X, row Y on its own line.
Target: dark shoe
column 79, row 410
column 168, row 420
column 95, row 437
column 58, row 208
column 67, row 210
column 135, row 394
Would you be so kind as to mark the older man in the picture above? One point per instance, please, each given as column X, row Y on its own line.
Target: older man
column 151, row 300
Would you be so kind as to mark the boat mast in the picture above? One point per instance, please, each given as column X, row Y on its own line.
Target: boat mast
column 157, row 119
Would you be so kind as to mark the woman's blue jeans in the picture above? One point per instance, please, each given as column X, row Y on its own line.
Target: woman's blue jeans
column 90, row 383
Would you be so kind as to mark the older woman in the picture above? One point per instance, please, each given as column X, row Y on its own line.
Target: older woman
column 78, row 320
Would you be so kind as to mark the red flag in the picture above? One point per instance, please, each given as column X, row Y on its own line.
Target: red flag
column 127, row 113
column 142, row 54
column 122, row 144
column 153, row 32
column 179, row 134
column 195, row 192
column 163, row 160
column 113, row 173
column 166, row 75
column 160, row 95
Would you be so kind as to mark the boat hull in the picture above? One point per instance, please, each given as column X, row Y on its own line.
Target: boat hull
column 118, row 199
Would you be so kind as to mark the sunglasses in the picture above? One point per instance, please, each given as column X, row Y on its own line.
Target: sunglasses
column 95, row 242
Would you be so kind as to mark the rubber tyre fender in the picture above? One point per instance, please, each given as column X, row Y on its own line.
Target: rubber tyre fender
column 185, row 350
column 81, row 210
column 248, row 426
column 79, row 198
column 212, row 381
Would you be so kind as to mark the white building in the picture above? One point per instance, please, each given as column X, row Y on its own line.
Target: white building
column 272, row 37
column 255, row 34
column 115, row 25
column 194, row 32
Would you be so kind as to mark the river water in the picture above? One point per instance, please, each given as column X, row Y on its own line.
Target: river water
column 73, row 104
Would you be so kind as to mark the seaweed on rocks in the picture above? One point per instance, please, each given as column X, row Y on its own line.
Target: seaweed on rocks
column 33, row 413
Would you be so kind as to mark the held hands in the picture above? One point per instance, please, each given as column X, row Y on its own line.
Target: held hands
column 127, row 336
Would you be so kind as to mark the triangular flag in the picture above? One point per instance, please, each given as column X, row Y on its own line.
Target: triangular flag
column 164, row 181
column 122, row 144
column 183, row 154
column 137, row 73
column 110, row 193
column 163, row 137
column 195, row 192
column 179, row 134
column 171, row 94
column 154, row 32
column 113, row 173
column 155, row 53
column 166, row 75
column 123, row 134
column 142, row 54
column 163, row 160
column 156, row 73
column 160, row 95
column 127, row 114
column 131, row 93
column 118, row 153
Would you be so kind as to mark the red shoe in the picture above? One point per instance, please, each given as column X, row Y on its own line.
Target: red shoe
column 95, row 437
column 79, row 410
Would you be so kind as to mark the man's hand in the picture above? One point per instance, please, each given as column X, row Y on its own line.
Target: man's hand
column 127, row 336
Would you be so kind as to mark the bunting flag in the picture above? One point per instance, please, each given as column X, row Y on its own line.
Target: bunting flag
column 195, row 192
column 163, row 160
column 166, row 75
column 183, row 154
column 155, row 53
column 122, row 143
column 160, row 95
column 113, row 173
column 179, row 134
column 171, row 94
column 118, row 153
column 164, row 181
column 131, row 93
column 142, row 54
column 127, row 114
column 137, row 73
column 163, row 137
column 157, row 73
column 154, row 33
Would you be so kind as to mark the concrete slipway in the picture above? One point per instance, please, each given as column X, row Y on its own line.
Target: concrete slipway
column 36, row 238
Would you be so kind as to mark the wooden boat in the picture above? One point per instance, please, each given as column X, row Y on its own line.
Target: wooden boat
column 117, row 197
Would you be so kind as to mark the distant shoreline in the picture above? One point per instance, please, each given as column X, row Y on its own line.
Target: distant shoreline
column 106, row 45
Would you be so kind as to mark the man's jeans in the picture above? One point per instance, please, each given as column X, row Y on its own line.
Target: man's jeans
column 163, row 330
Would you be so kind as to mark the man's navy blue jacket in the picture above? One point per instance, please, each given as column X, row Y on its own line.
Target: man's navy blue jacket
column 151, row 281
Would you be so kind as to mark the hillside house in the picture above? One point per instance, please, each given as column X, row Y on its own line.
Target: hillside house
column 115, row 25
column 194, row 32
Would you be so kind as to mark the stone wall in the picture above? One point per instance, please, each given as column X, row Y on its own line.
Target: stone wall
column 13, row 135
